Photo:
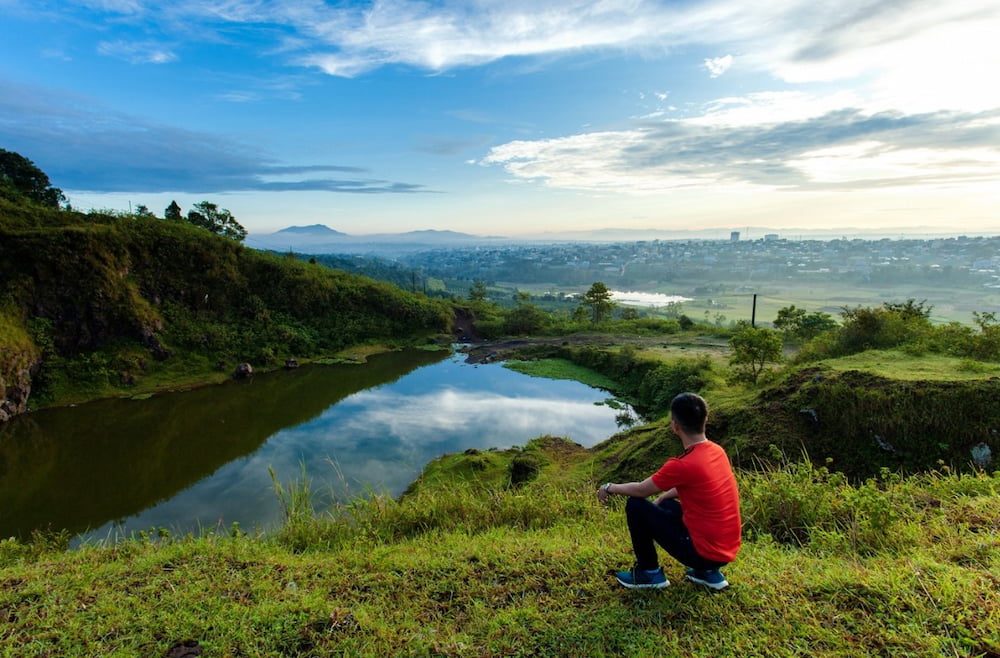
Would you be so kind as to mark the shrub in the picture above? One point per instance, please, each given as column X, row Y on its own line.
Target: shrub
column 662, row 383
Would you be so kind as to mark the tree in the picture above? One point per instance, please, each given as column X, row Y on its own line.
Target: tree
column 598, row 298
column 20, row 177
column 816, row 323
column 478, row 292
column 525, row 318
column 143, row 211
column 789, row 319
column 220, row 221
column 173, row 211
column 753, row 348
column 800, row 324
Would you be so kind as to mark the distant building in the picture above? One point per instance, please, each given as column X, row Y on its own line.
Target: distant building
column 734, row 236
column 770, row 237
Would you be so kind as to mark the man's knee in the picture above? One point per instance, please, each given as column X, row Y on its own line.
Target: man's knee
column 633, row 505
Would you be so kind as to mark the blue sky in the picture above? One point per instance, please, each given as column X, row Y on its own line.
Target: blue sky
column 515, row 117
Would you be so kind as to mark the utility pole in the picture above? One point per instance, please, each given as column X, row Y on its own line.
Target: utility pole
column 753, row 312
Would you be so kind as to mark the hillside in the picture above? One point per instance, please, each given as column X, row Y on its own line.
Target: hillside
column 477, row 562
column 95, row 305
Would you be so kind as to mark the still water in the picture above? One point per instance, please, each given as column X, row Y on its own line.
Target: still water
column 201, row 459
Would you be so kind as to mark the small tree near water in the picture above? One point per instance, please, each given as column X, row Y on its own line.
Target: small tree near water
column 598, row 298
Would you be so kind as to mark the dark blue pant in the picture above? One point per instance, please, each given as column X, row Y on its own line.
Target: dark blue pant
column 663, row 524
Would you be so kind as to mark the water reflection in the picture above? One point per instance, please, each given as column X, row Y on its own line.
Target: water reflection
column 653, row 299
column 201, row 459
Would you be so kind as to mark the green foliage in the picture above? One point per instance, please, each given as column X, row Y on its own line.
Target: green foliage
column 664, row 382
column 561, row 369
column 477, row 292
column 598, row 298
column 863, row 422
column 173, row 212
column 21, row 179
column 523, row 319
column 754, row 348
column 523, row 469
column 216, row 220
column 648, row 384
column 804, row 505
column 104, row 286
column 469, row 566
column 801, row 325
column 906, row 326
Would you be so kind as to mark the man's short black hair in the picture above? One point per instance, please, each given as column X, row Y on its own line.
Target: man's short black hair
column 690, row 411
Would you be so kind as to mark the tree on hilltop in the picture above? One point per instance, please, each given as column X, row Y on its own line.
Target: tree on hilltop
column 220, row 221
column 20, row 177
column 173, row 211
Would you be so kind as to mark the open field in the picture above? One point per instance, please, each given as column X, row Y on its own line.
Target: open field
column 734, row 299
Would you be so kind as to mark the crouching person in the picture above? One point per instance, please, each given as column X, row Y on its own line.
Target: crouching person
column 695, row 517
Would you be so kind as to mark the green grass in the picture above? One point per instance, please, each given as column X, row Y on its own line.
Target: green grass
column 897, row 364
column 561, row 369
column 473, row 567
column 950, row 303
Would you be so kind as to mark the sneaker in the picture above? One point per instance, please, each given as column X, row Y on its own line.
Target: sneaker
column 641, row 578
column 708, row 577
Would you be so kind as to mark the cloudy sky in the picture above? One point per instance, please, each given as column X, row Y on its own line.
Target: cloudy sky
column 515, row 117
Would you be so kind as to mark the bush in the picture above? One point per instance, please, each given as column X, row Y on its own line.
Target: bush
column 753, row 348
column 661, row 384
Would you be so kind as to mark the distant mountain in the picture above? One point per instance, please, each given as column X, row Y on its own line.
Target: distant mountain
column 320, row 239
column 317, row 230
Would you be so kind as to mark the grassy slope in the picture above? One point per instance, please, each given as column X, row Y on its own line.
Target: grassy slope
column 109, row 298
column 467, row 566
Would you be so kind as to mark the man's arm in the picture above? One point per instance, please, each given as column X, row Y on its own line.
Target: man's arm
column 666, row 495
column 643, row 489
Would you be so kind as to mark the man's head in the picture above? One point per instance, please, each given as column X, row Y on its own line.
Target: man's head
column 690, row 412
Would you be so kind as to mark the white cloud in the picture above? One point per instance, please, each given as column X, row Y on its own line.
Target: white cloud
column 137, row 52
column 452, row 411
column 718, row 65
column 787, row 140
column 915, row 54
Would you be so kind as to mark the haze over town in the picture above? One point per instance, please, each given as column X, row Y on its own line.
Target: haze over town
column 516, row 118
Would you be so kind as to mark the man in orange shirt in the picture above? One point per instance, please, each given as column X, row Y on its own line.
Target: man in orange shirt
column 695, row 518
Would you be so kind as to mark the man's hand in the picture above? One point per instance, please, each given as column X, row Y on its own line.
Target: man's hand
column 665, row 496
column 603, row 493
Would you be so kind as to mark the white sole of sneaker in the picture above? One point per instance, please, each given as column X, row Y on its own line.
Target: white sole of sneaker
column 716, row 586
column 643, row 586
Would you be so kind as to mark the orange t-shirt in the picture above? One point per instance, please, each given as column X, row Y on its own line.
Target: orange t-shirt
column 707, row 491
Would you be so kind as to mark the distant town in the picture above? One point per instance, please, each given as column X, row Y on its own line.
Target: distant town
column 965, row 261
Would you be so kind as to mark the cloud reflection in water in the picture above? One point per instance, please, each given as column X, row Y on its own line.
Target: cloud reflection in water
column 381, row 438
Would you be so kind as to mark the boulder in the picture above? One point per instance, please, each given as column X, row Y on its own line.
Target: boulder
column 243, row 371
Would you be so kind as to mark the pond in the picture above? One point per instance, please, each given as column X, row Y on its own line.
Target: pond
column 202, row 459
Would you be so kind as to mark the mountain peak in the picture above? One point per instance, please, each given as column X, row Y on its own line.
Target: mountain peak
column 312, row 229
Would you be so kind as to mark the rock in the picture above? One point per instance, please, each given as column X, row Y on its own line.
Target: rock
column 981, row 455
column 243, row 371
column 185, row 649
column 291, row 364
column 153, row 344
column 15, row 384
